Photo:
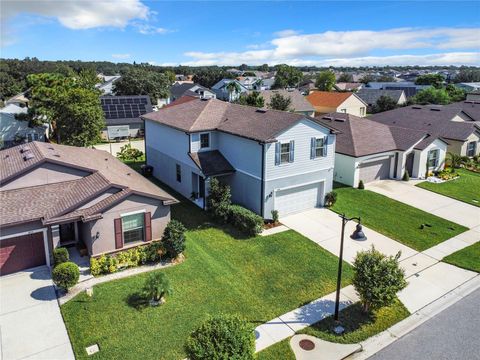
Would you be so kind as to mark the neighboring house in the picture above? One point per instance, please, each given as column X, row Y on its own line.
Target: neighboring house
column 56, row 195
column 106, row 87
column 264, row 84
column 410, row 88
column 471, row 86
column 368, row 150
column 272, row 160
column 474, row 96
column 458, row 123
column 249, row 81
column 345, row 86
column 195, row 90
column 298, row 102
column 20, row 100
column 14, row 131
column 223, row 93
column 371, row 96
column 307, row 87
column 125, row 111
column 326, row 102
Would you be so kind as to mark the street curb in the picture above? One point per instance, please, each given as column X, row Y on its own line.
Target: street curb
column 380, row 341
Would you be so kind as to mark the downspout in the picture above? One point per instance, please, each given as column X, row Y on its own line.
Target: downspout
column 262, row 197
column 145, row 138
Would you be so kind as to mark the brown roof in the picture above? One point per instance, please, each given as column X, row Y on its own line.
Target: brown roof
column 211, row 114
column 212, row 163
column 57, row 199
column 327, row 98
column 360, row 136
column 298, row 101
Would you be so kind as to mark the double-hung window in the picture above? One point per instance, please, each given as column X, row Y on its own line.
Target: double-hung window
column 471, row 148
column 433, row 156
column 204, row 140
column 133, row 227
column 284, row 153
column 320, row 147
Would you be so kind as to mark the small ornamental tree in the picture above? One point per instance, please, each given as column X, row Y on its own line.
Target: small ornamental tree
column 218, row 200
column 156, row 287
column 174, row 238
column 66, row 275
column 377, row 278
column 361, row 185
column 280, row 102
column 330, row 199
column 406, row 176
column 222, row 337
column 128, row 153
column 60, row 255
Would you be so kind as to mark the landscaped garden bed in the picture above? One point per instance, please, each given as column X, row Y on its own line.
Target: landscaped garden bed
column 404, row 223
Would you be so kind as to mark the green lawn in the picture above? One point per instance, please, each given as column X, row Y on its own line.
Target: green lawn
column 278, row 351
column 466, row 188
column 467, row 258
column 259, row 278
column 394, row 219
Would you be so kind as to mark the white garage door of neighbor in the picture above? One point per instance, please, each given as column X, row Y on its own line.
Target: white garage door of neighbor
column 299, row 198
column 375, row 170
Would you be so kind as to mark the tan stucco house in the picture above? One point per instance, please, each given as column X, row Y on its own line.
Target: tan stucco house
column 326, row 102
column 55, row 195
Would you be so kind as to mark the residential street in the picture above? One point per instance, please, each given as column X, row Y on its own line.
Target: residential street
column 452, row 334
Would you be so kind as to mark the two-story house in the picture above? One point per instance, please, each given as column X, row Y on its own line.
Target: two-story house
column 272, row 160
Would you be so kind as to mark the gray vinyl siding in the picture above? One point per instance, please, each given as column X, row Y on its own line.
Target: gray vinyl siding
column 195, row 141
column 245, row 155
column 246, row 190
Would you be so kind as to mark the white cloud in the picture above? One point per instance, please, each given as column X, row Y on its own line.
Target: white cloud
column 351, row 47
column 85, row 14
column 286, row 33
column 147, row 29
column 120, row 56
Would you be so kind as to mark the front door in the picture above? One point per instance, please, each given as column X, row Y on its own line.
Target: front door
column 67, row 233
column 409, row 163
column 201, row 187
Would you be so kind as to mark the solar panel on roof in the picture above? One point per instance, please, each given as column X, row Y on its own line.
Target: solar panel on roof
column 125, row 107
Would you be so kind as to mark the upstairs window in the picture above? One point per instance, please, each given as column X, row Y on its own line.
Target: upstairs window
column 204, row 140
column 285, row 153
column 433, row 156
column 320, row 147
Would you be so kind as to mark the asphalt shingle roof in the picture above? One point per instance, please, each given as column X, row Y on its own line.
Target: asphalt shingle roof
column 212, row 163
column 298, row 101
column 370, row 96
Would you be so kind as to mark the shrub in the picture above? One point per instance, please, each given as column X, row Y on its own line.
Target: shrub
column 330, row 199
column 275, row 216
column 218, row 200
column 174, row 238
column 361, row 185
column 245, row 220
column 222, row 337
column 406, row 176
column 157, row 286
column 377, row 278
column 66, row 275
column 60, row 255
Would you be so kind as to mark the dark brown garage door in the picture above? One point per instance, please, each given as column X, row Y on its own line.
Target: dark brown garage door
column 375, row 170
column 21, row 253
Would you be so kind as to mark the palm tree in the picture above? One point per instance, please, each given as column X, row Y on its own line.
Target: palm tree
column 233, row 87
column 258, row 84
column 455, row 161
column 156, row 287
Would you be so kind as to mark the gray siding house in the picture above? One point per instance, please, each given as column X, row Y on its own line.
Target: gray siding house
column 272, row 160
column 56, row 195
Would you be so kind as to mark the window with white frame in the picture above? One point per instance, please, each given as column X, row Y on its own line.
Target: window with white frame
column 320, row 147
column 471, row 148
column 284, row 153
column 433, row 157
column 204, row 140
column 133, row 228
column 343, row 110
column 362, row 111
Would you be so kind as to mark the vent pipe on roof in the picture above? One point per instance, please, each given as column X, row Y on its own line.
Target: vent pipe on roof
column 28, row 157
column 416, row 107
column 24, row 149
column 261, row 110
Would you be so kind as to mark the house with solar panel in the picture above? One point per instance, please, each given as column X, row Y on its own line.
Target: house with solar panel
column 125, row 111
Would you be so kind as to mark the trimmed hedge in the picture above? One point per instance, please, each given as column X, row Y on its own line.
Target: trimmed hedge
column 245, row 220
column 174, row 238
column 60, row 255
column 222, row 337
column 66, row 275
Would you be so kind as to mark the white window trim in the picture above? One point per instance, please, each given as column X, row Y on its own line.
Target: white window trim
column 437, row 158
column 133, row 212
column 324, row 147
column 287, row 162
column 200, row 141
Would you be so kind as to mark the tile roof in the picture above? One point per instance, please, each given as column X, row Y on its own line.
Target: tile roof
column 370, row 96
column 328, row 98
column 361, row 136
column 54, row 199
column 194, row 115
column 298, row 101
column 212, row 163
column 434, row 119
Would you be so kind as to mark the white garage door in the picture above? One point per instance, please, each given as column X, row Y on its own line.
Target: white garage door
column 299, row 198
column 375, row 170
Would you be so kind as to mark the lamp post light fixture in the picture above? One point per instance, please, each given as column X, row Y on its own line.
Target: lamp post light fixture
column 359, row 236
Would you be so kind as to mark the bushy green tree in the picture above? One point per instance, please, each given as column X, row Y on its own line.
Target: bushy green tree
column 210, row 76
column 431, row 95
column 220, row 338
column 219, row 200
column 287, row 77
column 251, row 99
column 129, row 153
column 377, row 278
column 66, row 275
column 455, row 93
column 435, row 80
column 468, row 75
column 345, row 77
column 384, row 103
column 174, row 238
column 280, row 102
column 325, row 80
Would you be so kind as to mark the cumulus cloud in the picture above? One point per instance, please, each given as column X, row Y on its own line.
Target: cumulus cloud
column 147, row 29
column 121, row 56
column 354, row 47
column 286, row 33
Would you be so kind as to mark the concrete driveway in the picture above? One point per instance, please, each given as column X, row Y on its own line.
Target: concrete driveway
column 31, row 326
column 442, row 206
column 114, row 147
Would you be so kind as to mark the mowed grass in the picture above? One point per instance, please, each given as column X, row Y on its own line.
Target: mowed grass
column 358, row 325
column 259, row 278
column 278, row 351
column 467, row 258
column 394, row 219
column 466, row 188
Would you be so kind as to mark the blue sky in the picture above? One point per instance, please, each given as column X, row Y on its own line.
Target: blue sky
column 229, row 33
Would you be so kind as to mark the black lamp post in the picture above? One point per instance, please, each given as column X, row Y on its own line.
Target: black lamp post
column 357, row 235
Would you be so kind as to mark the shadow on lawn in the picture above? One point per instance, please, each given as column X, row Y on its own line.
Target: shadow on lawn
column 138, row 301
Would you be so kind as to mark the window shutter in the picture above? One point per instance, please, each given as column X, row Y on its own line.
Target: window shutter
column 277, row 153
column 148, row 226
column 292, row 150
column 118, row 233
column 313, row 144
column 325, row 146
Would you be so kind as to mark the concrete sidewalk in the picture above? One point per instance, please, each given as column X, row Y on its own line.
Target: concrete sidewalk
column 433, row 203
